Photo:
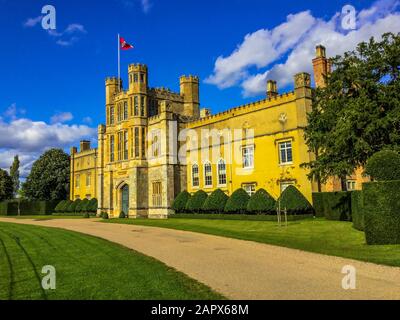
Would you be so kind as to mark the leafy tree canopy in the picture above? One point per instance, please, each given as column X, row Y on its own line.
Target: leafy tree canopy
column 49, row 177
column 6, row 186
column 358, row 112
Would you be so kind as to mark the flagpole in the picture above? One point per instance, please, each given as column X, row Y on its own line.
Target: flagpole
column 119, row 64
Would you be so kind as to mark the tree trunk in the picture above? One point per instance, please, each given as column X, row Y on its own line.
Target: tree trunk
column 343, row 182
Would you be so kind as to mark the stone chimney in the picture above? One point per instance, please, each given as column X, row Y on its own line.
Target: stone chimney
column 272, row 89
column 84, row 145
column 322, row 67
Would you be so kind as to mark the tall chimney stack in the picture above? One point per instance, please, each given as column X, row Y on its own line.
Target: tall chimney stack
column 272, row 89
column 322, row 67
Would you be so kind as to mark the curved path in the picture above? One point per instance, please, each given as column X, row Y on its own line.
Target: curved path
column 243, row 269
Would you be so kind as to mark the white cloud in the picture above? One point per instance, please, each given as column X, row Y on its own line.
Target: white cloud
column 61, row 117
column 12, row 111
column 31, row 22
column 29, row 139
column 265, row 48
column 145, row 4
column 87, row 120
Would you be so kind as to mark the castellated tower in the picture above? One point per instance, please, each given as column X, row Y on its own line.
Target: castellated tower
column 189, row 90
column 138, row 78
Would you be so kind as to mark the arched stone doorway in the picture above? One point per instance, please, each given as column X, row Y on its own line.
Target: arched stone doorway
column 125, row 199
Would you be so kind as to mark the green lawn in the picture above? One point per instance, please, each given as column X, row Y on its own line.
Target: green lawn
column 315, row 235
column 87, row 268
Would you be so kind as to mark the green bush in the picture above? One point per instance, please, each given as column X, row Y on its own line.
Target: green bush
column 261, row 203
column 294, row 202
column 66, row 206
column 72, row 207
column 384, row 166
column 357, row 213
column 86, row 215
column 237, row 203
column 82, row 206
column 318, row 204
column 27, row 207
column 382, row 212
column 216, row 201
column 122, row 215
column 333, row 205
column 196, row 202
column 60, row 206
column 104, row 215
column 92, row 205
column 180, row 202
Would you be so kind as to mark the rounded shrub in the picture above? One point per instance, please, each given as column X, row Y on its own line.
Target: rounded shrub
column 180, row 202
column 92, row 205
column 261, row 203
column 104, row 215
column 86, row 215
column 82, row 206
column 122, row 215
column 294, row 202
column 60, row 206
column 72, row 207
column 196, row 202
column 216, row 201
column 237, row 203
column 68, row 206
column 384, row 166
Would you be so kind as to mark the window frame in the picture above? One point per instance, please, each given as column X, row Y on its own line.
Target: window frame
column 195, row 165
column 219, row 164
column 208, row 175
column 280, row 150
column 244, row 148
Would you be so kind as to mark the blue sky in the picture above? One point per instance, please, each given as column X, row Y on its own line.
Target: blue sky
column 52, row 84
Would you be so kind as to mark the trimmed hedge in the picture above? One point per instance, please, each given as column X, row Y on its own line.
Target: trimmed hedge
column 196, row 202
column 180, row 202
column 60, row 206
column 357, row 213
column 245, row 217
column 333, row 205
column 294, row 202
column 382, row 212
column 237, row 203
column 216, row 201
column 27, row 208
column 261, row 203
column 384, row 166
column 92, row 205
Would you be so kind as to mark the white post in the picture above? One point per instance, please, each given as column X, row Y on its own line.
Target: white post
column 119, row 63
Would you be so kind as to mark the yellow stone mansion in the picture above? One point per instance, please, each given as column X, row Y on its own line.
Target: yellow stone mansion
column 157, row 143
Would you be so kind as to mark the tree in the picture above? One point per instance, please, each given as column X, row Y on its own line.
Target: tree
column 49, row 177
column 6, row 186
column 14, row 174
column 358, row 112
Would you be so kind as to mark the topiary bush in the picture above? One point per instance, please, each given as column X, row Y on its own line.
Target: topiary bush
column 104, row 215
column 237, row 203
column 261, row 203
column 60, row 207
column 82, row 206
column 294, row 202
column 384, row 166
column 180, row 202
column 73, row 205
column 382, row 212
column 92, row 205
column 86, row 215
column 122, row 215
column 216, row 201
column 196, row 202
column 357, row 213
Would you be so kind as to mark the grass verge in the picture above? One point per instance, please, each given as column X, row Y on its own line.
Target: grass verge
column 86, row 268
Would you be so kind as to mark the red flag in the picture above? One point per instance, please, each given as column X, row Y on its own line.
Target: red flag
column 124, row 45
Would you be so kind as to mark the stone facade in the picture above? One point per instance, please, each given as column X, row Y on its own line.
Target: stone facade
column 149, row 149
